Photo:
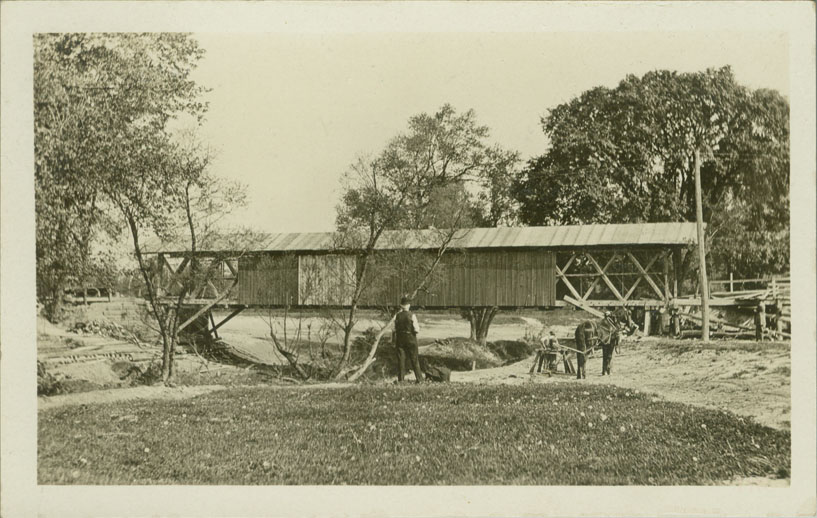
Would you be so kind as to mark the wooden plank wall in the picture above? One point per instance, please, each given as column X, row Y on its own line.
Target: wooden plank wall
column 326, row 280
column 517, row 278
column 268, row 280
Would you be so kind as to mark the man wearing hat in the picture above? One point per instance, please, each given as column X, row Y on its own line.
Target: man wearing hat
column 406, row 328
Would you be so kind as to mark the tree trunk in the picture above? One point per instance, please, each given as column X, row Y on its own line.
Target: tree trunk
column 347, row 341
column 161, row 317
column 165, row 359
column 54, row 306
column 480, row 320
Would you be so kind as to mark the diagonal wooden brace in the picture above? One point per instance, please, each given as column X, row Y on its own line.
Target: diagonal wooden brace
column 206, row 307
column 603, row 274
column 560, row 273
column 644, row 275
column 604, row 277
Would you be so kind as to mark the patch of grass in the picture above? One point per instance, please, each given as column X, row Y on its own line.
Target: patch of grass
column 554, row 434
column 783, row 369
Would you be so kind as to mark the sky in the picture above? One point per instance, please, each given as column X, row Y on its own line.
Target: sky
column 290, row 112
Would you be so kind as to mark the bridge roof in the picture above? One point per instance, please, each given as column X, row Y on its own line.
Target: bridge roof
column 563, row 236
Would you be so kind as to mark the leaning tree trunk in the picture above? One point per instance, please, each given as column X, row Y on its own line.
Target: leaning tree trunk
column 289, row 354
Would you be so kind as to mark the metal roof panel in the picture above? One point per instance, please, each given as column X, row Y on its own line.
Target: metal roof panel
column 567, row 236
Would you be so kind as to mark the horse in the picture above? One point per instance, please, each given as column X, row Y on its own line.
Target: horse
column 606, row 332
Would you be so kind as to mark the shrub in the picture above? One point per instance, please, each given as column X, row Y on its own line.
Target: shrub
column 47, row 383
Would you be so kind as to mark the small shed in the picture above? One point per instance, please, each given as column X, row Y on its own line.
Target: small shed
column 514, row 267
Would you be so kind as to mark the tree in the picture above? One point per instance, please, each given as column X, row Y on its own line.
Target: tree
column 419, row 181
column 480, row 319
column 67, row 123
column 99, row 99
column 105, row 152
column 626, row 155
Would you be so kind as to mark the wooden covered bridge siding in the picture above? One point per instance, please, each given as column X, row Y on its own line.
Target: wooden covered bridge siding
column 601, row 265
column 510, row 278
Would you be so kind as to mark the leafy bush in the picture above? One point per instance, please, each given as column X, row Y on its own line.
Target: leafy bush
column 47, row 383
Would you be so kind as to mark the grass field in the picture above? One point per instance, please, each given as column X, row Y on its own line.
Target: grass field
column 554, row 434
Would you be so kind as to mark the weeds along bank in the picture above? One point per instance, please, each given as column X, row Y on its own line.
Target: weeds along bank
column 91, row 351
column 429, row 434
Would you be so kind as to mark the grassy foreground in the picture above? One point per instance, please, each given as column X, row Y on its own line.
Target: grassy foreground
column 549, row 434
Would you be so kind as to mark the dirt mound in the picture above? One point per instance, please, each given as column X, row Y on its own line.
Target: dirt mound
column 510, row 351
column 461, row 354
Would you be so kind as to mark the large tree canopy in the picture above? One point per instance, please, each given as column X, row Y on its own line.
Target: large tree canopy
column 441, row 164
column 626, row 155
column 102, row 103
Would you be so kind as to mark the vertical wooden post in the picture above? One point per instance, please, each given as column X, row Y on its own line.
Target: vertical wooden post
column 731, row 282
column 760, row 321
column 699, row 217
column 779, row 319
column 676, row 272
column 647, row 319
column 160, row 281
column 213, row 323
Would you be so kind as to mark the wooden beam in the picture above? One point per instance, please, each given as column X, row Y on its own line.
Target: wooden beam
column 160, row 275
column 213, row 323
column 181, row 267
column 604, row 277
column 676, row 270
column 206, row 307
column 647, row 321
column 567, row 264
column 581, row 305
column 563, row 277
column 596, row 278
column 569, row 286
column 645, row 274
column 230, row 267
column 175, row 272
column 698, row 320
column 658, row 302
column 638, row 280
column 227, row 318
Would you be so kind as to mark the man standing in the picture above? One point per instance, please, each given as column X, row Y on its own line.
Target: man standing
column 406, row 328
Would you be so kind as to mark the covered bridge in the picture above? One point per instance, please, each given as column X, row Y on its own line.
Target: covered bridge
column 600, row 265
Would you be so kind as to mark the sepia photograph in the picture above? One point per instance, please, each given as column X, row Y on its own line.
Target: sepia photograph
column 414, row 256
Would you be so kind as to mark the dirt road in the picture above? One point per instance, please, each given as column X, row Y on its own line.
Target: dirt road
column 749, row 383
column 744, row 377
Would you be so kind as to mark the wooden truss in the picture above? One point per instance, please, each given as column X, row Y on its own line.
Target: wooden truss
column 170, row 279
column 659, row 283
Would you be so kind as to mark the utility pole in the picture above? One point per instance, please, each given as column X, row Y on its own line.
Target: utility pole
column 699, row 218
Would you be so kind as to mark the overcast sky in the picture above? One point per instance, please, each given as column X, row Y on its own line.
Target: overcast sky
column 289, row 113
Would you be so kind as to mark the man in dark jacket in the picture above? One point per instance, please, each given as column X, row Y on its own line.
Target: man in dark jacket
column 406, row 328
